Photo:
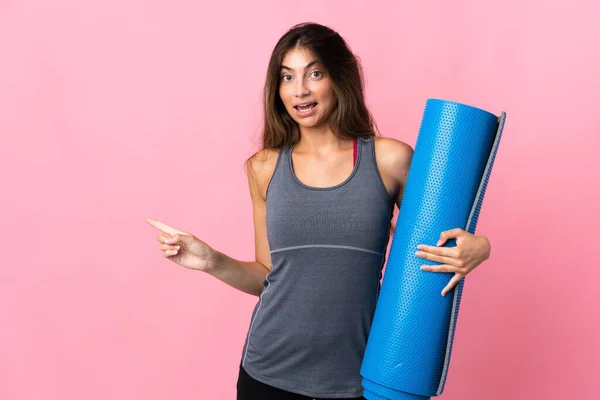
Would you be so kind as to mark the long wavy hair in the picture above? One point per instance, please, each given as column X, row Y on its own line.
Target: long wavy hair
column 350, row 117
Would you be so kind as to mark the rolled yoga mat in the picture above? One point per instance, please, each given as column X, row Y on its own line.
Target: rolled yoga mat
column 409, row 346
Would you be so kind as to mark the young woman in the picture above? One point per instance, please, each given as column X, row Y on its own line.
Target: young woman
column 323, row 190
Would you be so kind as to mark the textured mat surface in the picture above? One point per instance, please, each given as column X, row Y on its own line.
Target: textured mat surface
column 409, row 347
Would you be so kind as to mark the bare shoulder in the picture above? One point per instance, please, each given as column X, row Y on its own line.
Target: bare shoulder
column 260, row 169
column 393, row 154
column 393, row 162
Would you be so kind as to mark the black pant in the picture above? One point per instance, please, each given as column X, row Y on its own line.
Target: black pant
column 249, row 388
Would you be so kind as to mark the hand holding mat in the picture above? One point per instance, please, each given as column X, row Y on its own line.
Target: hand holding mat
column 409, row 346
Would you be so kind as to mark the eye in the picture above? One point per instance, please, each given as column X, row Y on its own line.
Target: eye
column 286, row 78
column 316, row 74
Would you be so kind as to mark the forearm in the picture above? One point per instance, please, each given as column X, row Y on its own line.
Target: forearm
column 247, row 276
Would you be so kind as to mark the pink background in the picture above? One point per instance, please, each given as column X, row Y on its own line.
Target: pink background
column 111, row 111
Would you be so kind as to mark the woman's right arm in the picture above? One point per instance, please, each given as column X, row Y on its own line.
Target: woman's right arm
column 249, row 276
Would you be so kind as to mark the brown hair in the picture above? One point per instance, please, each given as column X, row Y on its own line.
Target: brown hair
column 350, row 117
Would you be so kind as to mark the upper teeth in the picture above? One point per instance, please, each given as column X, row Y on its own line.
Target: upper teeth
column 304, row 104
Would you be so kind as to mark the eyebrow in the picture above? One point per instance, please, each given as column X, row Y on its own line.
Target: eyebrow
column 310, row 64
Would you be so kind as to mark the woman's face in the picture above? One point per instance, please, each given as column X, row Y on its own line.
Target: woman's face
column 305, row 89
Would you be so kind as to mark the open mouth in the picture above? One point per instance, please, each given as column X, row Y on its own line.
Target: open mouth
column 305, row 106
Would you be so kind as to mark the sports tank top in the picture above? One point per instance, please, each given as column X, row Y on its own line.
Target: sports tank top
column 309, row 328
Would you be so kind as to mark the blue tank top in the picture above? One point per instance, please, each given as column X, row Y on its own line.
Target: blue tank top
column 309, row 328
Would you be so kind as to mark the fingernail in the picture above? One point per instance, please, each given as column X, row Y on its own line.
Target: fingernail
column 420, row 247
column 176, row 247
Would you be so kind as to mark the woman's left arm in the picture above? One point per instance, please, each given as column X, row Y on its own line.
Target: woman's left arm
column 469, row 252
column 393, row 161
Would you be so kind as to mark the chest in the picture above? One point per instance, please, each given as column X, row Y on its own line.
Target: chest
column 346, row 215
column 323, row 171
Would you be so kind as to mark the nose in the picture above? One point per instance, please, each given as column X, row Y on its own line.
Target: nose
column 301, row 88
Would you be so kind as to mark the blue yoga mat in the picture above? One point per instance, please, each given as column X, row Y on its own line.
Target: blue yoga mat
column 409, row 346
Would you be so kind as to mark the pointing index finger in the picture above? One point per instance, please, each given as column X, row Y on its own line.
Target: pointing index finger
column 163, row 227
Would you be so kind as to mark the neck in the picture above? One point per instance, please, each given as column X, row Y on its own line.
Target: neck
column 319, row 140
